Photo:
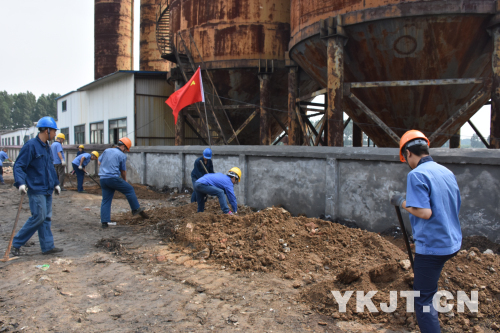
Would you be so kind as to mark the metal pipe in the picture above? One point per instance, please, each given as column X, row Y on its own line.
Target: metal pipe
column 334, row 135
column 479, row 134
column 180, row 125
column 495, row 91
column 265, row 102
column 293, row 125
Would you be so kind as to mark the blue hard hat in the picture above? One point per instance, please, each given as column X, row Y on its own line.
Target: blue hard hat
column 47, row 122
column 207, row 153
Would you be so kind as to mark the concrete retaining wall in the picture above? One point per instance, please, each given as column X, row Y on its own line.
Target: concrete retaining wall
column 350, row 184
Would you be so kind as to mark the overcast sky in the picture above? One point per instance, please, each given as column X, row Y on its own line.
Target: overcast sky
column 48, row 46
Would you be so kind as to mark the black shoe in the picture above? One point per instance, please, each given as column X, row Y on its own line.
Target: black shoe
column 141, row 211
column 104, row 225
column 15, row 252
column 54, row 250
column 2, row 183
column 82, row 191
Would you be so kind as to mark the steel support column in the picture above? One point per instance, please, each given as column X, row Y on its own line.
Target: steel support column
column 335, row 92
column 179, row 126
column 265, row 102
column 357, row 136
column 294, row 135
column 495, row 91
column 455, row 140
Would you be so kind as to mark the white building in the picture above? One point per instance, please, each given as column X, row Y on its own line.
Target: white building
column 125, row 103
column 18, row 137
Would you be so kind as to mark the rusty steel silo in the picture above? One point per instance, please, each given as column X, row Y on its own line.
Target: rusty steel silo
column 150, row 59
column 242, row 45
column 113, row 36
column 398, row 65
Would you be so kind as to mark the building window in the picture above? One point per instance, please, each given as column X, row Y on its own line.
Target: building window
column 79, row 135
column 9, row 142
column 117, row 130
column 64, row 106
column 97, row 133
column 65, row 131
column 18, row 140
column 26, row 139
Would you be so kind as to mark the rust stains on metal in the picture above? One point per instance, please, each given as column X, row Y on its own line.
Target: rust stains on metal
column 113, row 36
column 334, row 114
column 448, row 47
column 293, row 124
column 265, row 102
column 495, row 92
column 150, row 58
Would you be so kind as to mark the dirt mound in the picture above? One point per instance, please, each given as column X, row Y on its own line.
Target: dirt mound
column 110, row 244
column 480, row 242
column 322, row 257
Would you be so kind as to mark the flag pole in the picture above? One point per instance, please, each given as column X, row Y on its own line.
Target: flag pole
column 208, row 129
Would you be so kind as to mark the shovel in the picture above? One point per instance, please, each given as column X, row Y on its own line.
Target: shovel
column 6, row 256
column 405, row 235
column 95, row 181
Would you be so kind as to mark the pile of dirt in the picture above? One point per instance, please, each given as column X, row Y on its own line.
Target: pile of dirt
column 480, row 242
column 321, row 257
column 110, row 244
column 142, row 191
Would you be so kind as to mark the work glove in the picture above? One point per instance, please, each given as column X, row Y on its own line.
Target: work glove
column 23, row 189
column 397, row 199
column 57, row 189
column 63, row 163
column 87, row 174
column 80, row 167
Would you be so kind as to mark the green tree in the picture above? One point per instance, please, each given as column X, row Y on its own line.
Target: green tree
column 475, row 142
column 24, row 106
column 6, row 105
column 46, row 105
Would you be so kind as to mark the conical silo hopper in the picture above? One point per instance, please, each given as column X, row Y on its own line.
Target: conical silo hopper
column 242, row 46
column 404, row 65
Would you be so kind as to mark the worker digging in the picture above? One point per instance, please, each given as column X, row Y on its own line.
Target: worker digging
column 433, row 201
column 113, row 177
column 202, row 166
column 218, row 185
column 59, row 158
column 35, row 175
column 79, row 164
column 3, row 157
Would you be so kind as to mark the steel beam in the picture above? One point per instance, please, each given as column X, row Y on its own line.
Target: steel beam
column 265, row 102
column 180, row 125
column 495, row 90
column 334, row 135
column 192, row 124
column 311, row 95
column 357, row 135
column 294, row 134
column 483, row 140
column 462, row 111
column 455, row 140
column 411, row 83
column 375, row 119
column 243, row 126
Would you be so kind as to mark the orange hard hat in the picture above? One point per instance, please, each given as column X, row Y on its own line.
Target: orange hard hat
column 407, row 137
column 126, row 142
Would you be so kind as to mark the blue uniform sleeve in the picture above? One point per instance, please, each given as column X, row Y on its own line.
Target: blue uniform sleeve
column 418, row 191
column 231, row 197
column 60, row 150
column 21, row 165
column 123, row 163
column 100, row 157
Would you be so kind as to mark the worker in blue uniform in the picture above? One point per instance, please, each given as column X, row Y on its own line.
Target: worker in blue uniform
column 79, row 164
column 433, row 201
column 3, row 157
column 59, row 158
column 113, row 177
column 218, row 185
column 199, row 171
column 35, row 175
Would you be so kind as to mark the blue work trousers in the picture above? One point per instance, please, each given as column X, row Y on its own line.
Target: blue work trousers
column 80, row 175
column 202, row 190
column 1, row 176
column 40, row 220
column 427, row 271
column 109, row 186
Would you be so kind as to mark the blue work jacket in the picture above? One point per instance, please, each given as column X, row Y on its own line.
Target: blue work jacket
column 34, row 168
column 221, row 181
column 198, row 170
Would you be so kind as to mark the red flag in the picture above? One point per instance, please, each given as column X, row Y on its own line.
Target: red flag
column 191, row 93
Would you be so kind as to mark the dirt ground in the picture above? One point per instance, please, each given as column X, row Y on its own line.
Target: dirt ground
column 179, row 271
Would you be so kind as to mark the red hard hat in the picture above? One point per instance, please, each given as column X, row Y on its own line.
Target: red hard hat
column 407, row 137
